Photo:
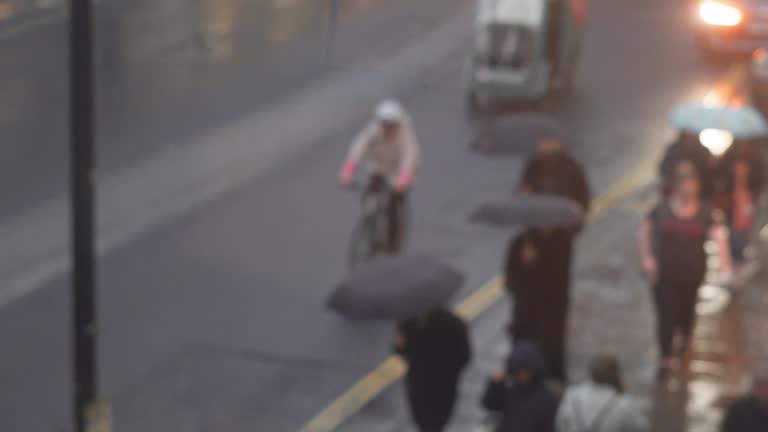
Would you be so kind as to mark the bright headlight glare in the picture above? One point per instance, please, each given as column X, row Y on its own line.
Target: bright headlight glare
column 716, row 140
column 717, row 13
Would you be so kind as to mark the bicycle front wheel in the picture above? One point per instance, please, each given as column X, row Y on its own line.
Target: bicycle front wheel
column 361, row 245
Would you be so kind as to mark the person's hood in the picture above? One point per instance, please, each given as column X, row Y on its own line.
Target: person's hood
column 526, row 356
column 589, row 399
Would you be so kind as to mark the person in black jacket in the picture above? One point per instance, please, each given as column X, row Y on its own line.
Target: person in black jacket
column 520, row 394
column 537, row 277
column 437, row 349
column 554, row 172
column 750, row 414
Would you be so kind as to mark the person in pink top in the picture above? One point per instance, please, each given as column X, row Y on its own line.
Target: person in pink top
column 389, row 147
column 671, row 241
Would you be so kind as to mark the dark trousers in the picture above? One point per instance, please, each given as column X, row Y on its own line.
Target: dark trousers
column 432, row 401
column 395, row 210
column 544, row 324
column 675, row 300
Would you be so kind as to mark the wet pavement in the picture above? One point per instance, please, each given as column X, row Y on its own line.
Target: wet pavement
column 213, row 317
column 612, row 313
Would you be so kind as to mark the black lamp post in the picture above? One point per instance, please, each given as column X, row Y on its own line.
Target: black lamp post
column 82, row 215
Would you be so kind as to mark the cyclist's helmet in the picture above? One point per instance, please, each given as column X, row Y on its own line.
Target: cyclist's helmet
column 390, row 112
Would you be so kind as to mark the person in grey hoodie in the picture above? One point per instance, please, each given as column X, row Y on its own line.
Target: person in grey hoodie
column 600, row 405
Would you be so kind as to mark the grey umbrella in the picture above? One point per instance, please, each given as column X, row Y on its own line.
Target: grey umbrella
column 542, row 211
column 395, row 288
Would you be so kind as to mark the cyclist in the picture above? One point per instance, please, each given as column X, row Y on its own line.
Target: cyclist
column 389, row 145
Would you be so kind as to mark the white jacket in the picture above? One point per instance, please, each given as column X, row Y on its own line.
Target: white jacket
column 583, row 403
column 389, row 159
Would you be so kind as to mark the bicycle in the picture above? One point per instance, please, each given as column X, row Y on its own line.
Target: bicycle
column 371, row 236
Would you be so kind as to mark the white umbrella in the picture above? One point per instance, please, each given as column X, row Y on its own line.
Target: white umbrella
column 743, row 122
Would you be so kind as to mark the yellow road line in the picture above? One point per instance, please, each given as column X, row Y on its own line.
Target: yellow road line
column 640, row 207
column 393, row 368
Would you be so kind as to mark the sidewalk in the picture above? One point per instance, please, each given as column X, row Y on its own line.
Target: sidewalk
column 612, row 312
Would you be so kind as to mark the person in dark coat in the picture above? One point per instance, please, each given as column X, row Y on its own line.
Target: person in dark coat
column 520, row 393
column 552, row 171
column 437, row 349
column 687, row 147
column 537, row 277
column 750, row 414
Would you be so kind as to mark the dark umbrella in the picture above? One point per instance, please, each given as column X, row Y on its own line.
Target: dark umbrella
column 518, row 134
column 541, row 211
column 395, row 288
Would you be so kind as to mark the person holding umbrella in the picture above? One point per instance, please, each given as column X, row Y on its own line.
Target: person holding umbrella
column 702, row 129
column 411, row 290
column 671, row 241
column 741, row 194
column 743, row 150
column 741, row 181
column 437, row 349
column 537, row 268
column 552, row 171
column 537, row 277
column 538, row 264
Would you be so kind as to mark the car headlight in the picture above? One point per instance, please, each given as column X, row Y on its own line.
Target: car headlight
column 716, row 140
column 718, row 13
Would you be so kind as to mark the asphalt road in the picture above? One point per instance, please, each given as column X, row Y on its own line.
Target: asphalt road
column 215, row 320
column 169, row 70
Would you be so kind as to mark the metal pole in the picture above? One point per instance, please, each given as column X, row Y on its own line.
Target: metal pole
column 82, row 212
column 333, row 19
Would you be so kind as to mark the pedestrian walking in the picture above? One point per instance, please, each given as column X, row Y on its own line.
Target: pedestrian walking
column 671, row 243
column 537, row 277
column 740, row 204
column 688, row 147
column 519, row 393
column 749, row 151
column 750, row 414
column 553, row 171
column 600, row 404
column 437, row 349
column 538, row 264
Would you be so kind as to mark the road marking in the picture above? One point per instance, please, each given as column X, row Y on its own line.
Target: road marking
column 393, row 368
column 640, row 206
